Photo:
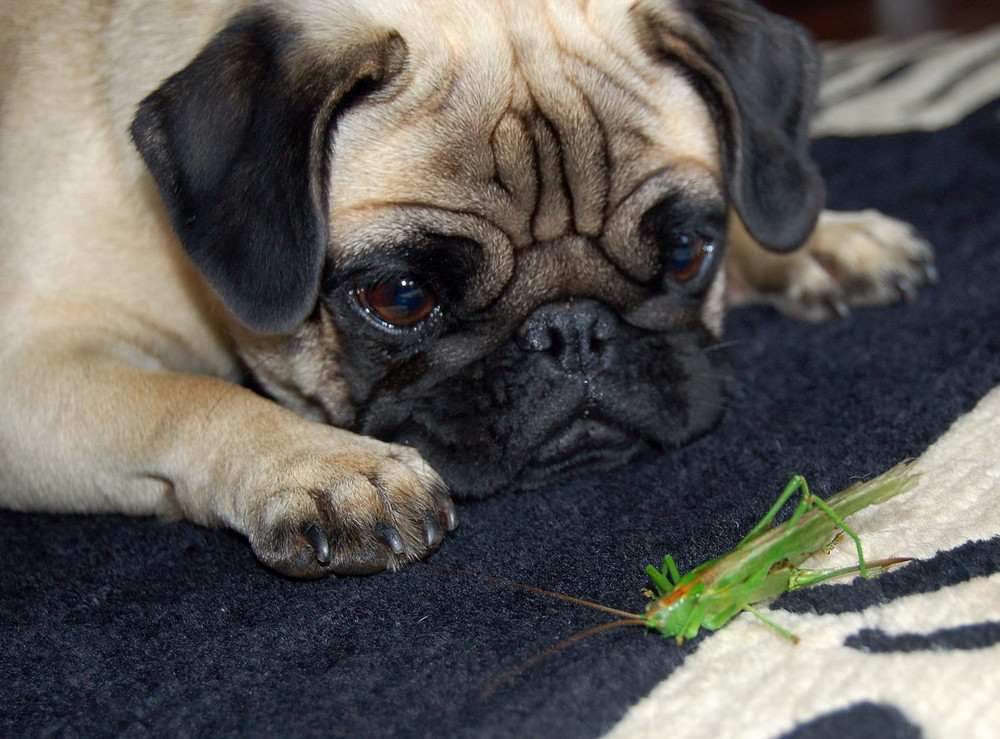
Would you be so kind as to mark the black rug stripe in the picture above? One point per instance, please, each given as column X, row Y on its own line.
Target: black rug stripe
column 972, row 636
column 862, row 721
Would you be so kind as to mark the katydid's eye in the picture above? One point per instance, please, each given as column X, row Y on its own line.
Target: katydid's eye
column 690, row 257
column 398, row 302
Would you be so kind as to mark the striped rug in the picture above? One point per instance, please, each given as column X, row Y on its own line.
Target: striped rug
column 925, row 662
column 921, row 84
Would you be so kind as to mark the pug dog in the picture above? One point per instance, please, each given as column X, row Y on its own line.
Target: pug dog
column 299, row 268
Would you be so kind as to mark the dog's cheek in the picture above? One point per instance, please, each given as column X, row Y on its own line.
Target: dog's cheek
column 303, row 370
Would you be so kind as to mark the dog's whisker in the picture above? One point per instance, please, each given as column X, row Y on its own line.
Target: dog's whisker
column 725, row 345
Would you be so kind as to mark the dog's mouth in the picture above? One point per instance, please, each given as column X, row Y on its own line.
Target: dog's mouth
column 584, row 436
column 574, row 431
column 586, row 444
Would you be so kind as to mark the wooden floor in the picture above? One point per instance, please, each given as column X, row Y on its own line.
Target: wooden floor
column 844, row 20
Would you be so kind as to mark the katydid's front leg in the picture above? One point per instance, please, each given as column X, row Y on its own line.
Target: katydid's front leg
column 659, row 577
column 692, row 624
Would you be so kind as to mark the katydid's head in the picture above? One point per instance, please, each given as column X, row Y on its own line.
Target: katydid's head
column 671, row 613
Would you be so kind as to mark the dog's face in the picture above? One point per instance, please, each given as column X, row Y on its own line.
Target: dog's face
column 493, row 231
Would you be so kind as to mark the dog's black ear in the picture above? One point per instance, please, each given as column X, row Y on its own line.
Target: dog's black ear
column 237, row 144
column 760, row 74
column 772, row 68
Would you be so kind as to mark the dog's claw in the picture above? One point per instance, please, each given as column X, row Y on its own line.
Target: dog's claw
column 389, row 535
column 432, row 532
column 839, row 307
column 320, row 544
column 906, row 290
column 450, row 514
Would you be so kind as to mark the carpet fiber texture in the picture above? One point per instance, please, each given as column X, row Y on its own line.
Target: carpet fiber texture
column 117, row 626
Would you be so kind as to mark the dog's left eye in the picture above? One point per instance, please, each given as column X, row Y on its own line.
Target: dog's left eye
column 398, row 302
column 689, row 258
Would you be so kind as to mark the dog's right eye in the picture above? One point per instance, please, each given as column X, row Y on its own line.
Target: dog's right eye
column 399, row 302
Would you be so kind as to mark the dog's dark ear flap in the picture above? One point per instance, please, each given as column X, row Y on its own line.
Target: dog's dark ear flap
column 236, row 143
column 767, row 72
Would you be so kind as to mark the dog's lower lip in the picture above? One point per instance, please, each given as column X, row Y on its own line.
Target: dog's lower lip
column 582, row 437
column 547, row 466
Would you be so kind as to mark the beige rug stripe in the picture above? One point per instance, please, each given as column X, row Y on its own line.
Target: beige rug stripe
column 746, row 681
column 946, row 78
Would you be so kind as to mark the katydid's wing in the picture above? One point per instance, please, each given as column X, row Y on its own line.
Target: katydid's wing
column 757, row 560
column 889, row 484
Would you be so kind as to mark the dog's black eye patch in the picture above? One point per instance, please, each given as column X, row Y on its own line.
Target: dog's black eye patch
column 405, row 293
column 444, row 265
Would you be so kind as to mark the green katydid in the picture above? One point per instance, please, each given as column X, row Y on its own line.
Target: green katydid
column 763, row 565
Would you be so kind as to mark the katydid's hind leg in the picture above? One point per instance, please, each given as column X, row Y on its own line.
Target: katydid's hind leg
column 805, row 578
column 862, row 566
column 794, row 485
column 768, row 622
column 808, row 501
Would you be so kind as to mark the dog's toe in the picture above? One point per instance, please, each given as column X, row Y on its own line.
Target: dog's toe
column 855, row 259
column 360, row 514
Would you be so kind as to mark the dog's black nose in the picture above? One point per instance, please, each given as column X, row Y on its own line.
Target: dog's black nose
column 576, row 333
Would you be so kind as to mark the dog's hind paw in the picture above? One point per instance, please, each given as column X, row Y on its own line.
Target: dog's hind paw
column 852, row 259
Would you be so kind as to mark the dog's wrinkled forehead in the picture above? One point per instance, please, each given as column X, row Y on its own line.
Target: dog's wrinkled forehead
column 527, row 125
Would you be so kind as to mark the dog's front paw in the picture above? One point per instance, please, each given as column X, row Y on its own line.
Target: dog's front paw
column 853, row 259
column 353, row 513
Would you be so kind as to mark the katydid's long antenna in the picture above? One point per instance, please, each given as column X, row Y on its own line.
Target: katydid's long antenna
column 533, row 589
column 568, row 642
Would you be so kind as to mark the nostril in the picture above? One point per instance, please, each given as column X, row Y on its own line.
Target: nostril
column 604, row 328
column 576, row 334
column 537, row 337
